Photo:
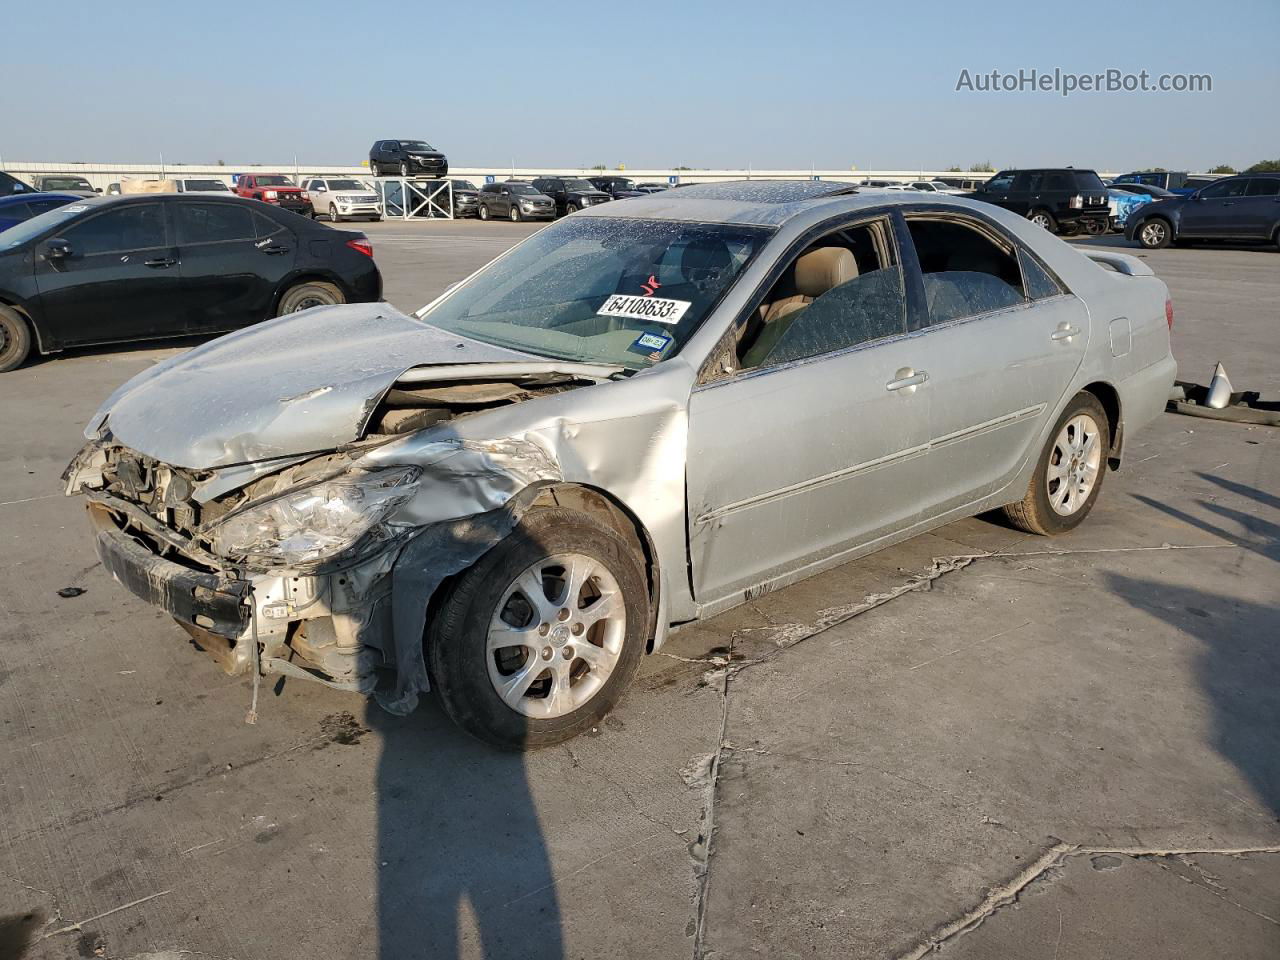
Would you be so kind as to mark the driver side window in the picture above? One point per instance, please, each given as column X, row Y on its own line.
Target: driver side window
column 840, row 292
column 1220, row 191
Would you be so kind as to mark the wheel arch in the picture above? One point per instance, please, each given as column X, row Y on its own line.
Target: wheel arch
column 14, row 304
column 1109, row 397
column 307, row 276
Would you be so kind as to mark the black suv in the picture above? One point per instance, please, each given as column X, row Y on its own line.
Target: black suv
column 407, row 158
column 570, row 193
column 617, row 187
column 1060, row 200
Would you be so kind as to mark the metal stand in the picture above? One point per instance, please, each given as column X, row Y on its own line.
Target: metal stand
column 407, row 198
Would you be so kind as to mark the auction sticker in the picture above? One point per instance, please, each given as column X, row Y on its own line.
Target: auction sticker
column 644, row 308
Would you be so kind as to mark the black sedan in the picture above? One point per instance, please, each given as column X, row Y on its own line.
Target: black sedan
column 1239, row 208
column 110, row 269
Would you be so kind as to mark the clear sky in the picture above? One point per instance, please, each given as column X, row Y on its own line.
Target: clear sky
column 778, row 84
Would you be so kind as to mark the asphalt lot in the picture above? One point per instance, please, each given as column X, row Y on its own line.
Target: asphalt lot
column 1013, row 746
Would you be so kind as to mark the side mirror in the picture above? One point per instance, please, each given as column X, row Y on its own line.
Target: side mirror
column 97, row 189
column 322, row 188
column 57, row 249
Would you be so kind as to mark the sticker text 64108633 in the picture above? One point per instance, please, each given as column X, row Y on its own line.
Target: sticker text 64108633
column 644, row 308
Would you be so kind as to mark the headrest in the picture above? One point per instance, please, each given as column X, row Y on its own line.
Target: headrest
column 704, row 259
column 824, row 269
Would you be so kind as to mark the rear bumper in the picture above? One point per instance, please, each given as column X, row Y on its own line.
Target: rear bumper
column 1144, row 394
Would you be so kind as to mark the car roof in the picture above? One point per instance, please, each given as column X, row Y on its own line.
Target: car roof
column 764, row 202
column 13, row 198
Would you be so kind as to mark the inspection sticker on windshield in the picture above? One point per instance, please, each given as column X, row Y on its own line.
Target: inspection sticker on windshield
column 644, row 308
column 651, row 343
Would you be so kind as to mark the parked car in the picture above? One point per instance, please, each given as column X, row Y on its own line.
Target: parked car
column 19, row 207
column 637, row 417
column 465, row 196
column 168, row 265
column 275, row 189
column 1122, row 203
column 59, row 183
column 1245, row 207
column 341, row 197
column 965, row 184
column 652, row 187
column 1155, row 193
column 620, row 188
column 570, row 193
column 933, row 186
column 201, row 185
column 407, row 158
column 10, row 184
column 515, row 201
column 1066, row 200
column 1175, row 181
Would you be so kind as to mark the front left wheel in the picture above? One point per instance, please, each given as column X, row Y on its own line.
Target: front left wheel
column 15, row 339
column 313, row 293
column 540, row 639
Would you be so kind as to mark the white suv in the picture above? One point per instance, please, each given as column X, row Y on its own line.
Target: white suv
column 341, row 197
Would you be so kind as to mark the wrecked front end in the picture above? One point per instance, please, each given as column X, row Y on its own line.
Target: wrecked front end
column 315, row 566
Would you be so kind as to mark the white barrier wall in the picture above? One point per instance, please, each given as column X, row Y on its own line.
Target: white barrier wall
column 102, row 174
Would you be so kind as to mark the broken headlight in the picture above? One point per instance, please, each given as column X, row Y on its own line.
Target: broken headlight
column 313, row 524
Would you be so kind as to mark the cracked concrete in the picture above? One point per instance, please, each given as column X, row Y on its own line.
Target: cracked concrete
column 975, row 744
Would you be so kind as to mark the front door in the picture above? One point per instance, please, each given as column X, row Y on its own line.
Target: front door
column 119, row 282
column 228, row 276
column 816, row 443
column 1213, row 212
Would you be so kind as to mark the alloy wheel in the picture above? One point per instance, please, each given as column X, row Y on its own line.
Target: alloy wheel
column 556, row 636
column 1073, row 465
column 1153, row 234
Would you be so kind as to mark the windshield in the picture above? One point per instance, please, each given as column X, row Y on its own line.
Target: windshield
column 18, row 235
column 65, row 183
column 417, row 145
column 602, row 290
column 206, row 185
column 344, row 185
column 463, row 185
column 580, row 185
column 523, row 189
column 274, row 180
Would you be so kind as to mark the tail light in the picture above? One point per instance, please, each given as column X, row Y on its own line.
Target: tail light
column 1168, row 312
column 361, row 245
column 1076, row 202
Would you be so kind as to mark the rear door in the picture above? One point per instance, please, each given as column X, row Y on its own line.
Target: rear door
column 121, row 281
column 1002, row 341
column 228, row 278
column 1260, row 211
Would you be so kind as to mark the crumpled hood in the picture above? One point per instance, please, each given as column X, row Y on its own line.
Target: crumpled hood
column 303, row 383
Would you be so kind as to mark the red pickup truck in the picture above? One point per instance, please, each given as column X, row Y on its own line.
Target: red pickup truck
column 273, row 188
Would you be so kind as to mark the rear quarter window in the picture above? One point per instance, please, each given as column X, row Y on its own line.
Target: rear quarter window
column 1090, row 181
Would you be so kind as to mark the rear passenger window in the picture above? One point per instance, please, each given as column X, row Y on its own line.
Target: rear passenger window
column 213, row 222
column 266, row 227
column 1058, row 181
column 966, row 273
column 1037, row 282
column 841, row 292
column 1263, row 187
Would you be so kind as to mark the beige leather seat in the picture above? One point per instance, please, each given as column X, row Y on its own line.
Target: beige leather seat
column 814, row 273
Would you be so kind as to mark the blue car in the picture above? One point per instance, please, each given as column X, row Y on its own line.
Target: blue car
column 1122, row 203
column 23, row 206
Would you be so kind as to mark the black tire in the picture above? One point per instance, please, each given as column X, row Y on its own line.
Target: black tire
column 333, row 214
column 482, row 212
column 513, row 214
column 1154, row 233
column 570, row 208
column 304, row 296
column 15, row 339
column 1034, row 513
column 458, row 634
column 1043, row 218
column 404, row 168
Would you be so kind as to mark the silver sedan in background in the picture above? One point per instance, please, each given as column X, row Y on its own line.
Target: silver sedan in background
column 643, row 415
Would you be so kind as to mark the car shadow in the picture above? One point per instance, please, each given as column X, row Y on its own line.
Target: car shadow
column 37, row 359
column 1117, row 240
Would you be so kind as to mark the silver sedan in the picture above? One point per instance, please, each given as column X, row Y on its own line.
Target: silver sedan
column 640, row 416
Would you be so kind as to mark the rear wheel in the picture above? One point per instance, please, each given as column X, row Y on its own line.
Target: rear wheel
column 1044, row 219
column 15, row 339
column 313, row 293
column 1155, row 233
column 1069, row 473
column 540, row 639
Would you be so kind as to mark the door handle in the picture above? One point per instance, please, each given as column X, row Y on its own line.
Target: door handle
column 160, row 263
column 905, row 378
column 274, row 250
column 1064, row 332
